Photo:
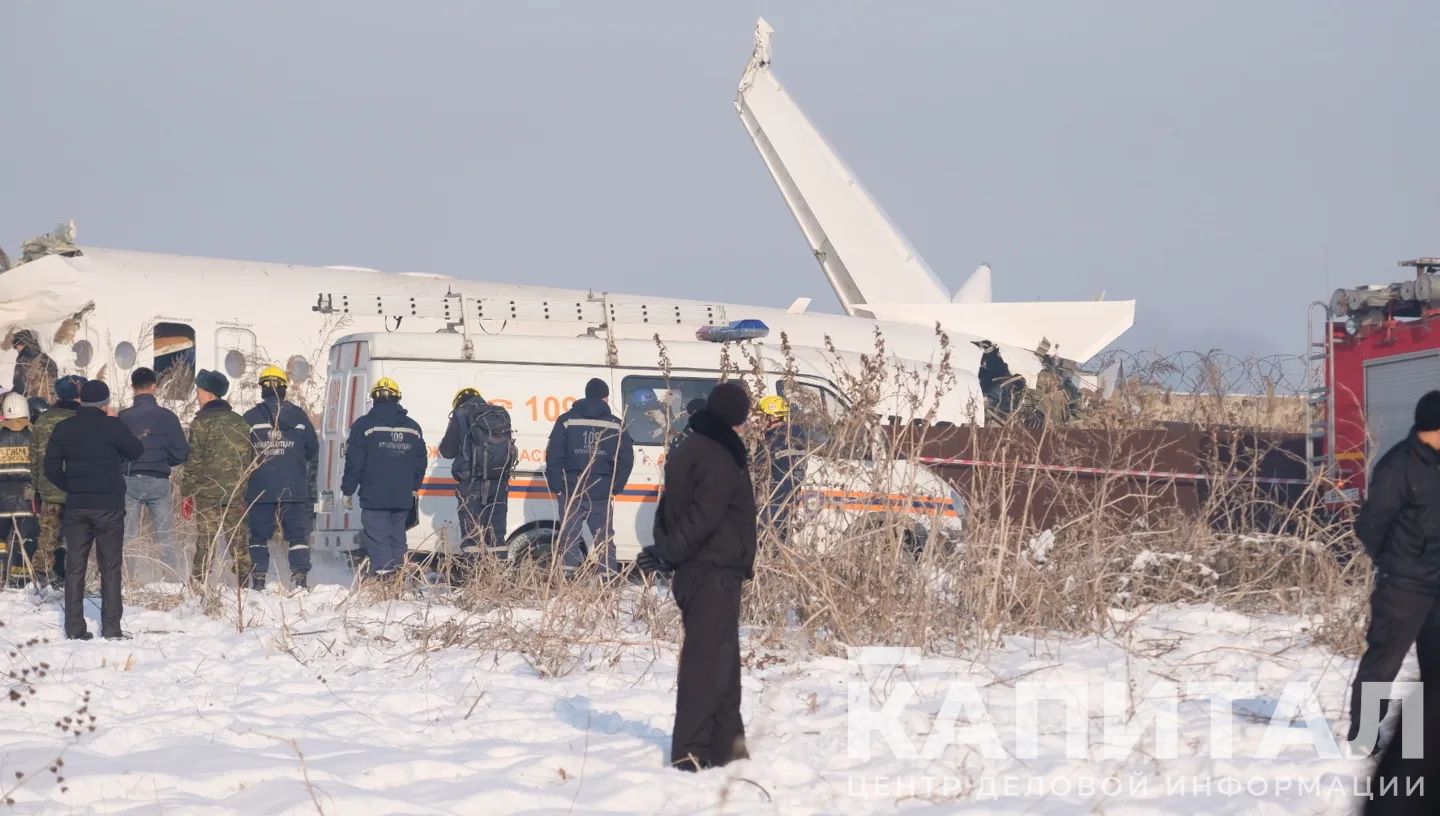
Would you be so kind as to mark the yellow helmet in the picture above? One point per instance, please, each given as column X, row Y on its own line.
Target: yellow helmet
column 385, row 387
column 462, row 395
column 775, row 406
column 274, row 375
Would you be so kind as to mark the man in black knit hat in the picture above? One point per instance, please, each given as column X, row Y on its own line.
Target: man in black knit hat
column 85, row 459
column 705, row 532
column 1400, row 529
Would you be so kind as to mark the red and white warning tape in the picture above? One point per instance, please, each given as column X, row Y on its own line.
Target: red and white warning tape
column 1145, row 474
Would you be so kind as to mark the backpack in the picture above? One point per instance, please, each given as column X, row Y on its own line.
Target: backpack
column 489, row 445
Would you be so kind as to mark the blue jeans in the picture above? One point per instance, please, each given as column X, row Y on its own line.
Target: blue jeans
column 152, row 493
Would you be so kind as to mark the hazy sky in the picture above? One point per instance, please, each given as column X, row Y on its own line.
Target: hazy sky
column 1222, row 163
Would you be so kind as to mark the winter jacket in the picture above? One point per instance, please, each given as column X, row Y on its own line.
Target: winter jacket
column 783, row 451
column 40, row 440
column 221, row 456
column 35, row 373
column 285, row 448
column 588, row 452
column 706, row 518
column 1400, row 521
column 457, row 446
column 385, row 458
column 158, row 429
column 16, row 481
column 86, row 457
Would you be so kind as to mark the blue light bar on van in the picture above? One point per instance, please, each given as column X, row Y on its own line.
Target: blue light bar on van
column 735, row 330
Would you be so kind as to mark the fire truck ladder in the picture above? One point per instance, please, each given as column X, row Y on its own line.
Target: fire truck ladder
column 1319, row 391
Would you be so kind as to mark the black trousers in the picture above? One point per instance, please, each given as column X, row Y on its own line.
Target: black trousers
column 708, row 729
column 1396, row 774
column 1398, row 618
column 104, row 530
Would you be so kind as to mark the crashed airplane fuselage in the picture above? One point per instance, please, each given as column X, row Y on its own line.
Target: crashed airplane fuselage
column 102, row 312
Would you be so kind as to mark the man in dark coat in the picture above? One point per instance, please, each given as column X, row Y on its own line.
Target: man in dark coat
column 587, row 463
column 85, row 459
column 385, row 461
column 278, row 493
column 480, row 444
column 1399, row 525
column 705, row 530
column 147, row 479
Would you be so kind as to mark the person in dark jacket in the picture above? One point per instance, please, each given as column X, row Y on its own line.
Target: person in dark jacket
column 49, row 563
column 1399, row 526
column 480, row 444
column 19, row 528
column 147, row 479
column 783, row 451
column 85, row 459
column 35, row 372
column 705, row 530
column 587, row 462
column 385, row 461
column 278, row 493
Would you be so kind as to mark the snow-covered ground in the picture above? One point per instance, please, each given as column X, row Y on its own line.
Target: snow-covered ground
column 324, row 705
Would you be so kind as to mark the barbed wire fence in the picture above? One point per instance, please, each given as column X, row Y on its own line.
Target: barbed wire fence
column 1265, row 392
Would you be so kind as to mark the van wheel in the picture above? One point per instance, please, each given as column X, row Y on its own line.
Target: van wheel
column 533, row 546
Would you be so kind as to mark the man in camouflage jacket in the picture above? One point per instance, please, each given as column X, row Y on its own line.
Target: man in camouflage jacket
column 49, row 562
column 212, row 486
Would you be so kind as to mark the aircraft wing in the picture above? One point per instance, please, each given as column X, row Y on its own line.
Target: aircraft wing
column 1076, row 330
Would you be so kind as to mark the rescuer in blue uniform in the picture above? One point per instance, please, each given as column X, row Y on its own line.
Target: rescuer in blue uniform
column 587, row 462
column 479, row 441
column 278, row 493
column 782, row 452
column 385, row 461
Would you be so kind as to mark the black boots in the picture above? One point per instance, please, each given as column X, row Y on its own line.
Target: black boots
column 301, row 580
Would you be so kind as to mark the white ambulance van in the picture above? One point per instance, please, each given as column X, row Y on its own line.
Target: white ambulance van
column 538, row 378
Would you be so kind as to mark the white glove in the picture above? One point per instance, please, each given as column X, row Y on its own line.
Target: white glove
column 350, row 502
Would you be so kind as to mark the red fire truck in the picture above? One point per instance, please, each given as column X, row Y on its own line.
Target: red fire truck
column 1374, row 350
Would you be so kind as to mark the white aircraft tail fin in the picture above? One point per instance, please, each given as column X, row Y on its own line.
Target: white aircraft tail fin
column 976, row 288
column 862, row 252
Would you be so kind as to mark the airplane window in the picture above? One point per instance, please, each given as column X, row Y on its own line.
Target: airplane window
column 83, row 352
column 125, row 355
column 298, row 368
column 235, row 363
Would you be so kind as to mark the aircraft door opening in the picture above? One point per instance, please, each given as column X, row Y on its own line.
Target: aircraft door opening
column 175, row 358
